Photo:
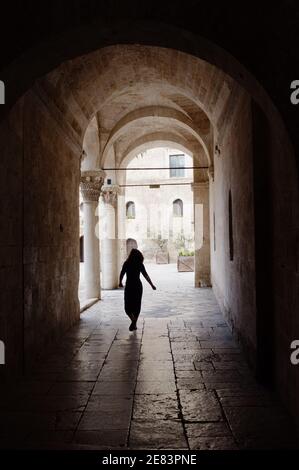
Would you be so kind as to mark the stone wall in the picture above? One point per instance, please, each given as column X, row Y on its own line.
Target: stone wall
column 233, row 280
column 11, row 236
column 49, row 223
column 285, row 210
column 51, row 234
column 154, row 219
column 40, row 228
column 258, row 290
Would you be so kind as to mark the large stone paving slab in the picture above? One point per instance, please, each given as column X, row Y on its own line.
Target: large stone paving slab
column 103, row 439
column 157, row 435
column 156, row 407
column 213, row 443
column 71, row 388
column 180, row 381
column 154, row 388
column 155, row 375
column 111, row 404
column 148, row 364
column 190, row 384
column 200, row 405
column 108, row 419
column 260, row 427
column 210, row 436
column 114, row 388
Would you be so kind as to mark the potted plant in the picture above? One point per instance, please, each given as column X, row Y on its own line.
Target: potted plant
column 185, row 262
column 162, row 256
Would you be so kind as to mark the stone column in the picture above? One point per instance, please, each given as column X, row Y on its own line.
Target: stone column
column 109, row 240
column 91, row 184
column 121, row 228
column 202, row 234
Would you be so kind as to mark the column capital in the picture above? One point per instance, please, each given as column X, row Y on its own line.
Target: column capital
column 109, row 193
column 91, row 184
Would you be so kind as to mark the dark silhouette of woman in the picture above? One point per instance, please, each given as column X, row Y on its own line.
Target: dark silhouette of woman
column 132, row 267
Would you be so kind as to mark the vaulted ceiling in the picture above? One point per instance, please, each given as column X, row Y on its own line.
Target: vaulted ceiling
column 124, row 98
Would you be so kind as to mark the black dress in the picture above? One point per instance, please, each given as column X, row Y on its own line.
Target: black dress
column 133, row 288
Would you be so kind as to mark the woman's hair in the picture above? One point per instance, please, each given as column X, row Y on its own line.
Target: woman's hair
column 135, row 257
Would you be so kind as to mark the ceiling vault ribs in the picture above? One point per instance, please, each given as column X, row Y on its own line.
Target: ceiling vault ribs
column 150, row 119
column 127, row 97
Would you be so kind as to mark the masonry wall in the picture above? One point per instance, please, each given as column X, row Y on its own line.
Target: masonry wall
column 51, row 233
column 154, row 206
column 284, row 181
column 234, row 279
column 40, row 279
column 11, row 271
column 273, row 321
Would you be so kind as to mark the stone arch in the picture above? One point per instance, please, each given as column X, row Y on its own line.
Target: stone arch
column 166, row 140
column 150, row 114
column 73, row 116
column 158, row 139
column 101, row 34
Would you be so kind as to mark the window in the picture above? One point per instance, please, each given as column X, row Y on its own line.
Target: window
column 178, row 208
column 177, row 164
column 130, row 210
column 230, row 227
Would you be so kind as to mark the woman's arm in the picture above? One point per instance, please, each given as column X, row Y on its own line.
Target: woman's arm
column 122, row 273
column 146, row 276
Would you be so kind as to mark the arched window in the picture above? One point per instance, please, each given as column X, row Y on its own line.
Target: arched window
column 130, row 210
column 178, row 208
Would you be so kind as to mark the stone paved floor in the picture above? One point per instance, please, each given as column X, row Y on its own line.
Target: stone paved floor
column 179, row 381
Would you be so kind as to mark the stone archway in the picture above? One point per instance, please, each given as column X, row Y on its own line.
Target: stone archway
column 58, row 104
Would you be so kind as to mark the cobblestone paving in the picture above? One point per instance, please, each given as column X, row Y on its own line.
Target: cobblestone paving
column 178, row 382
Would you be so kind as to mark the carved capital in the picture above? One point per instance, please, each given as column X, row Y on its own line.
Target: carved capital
column 109, row 193
column 91, row 184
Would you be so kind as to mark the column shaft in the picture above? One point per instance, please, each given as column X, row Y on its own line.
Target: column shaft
column 202, row 234
column 109, row 241
column 91, row 252
column 91, row 183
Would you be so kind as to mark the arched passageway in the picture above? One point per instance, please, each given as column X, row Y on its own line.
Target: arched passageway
column 112, row 103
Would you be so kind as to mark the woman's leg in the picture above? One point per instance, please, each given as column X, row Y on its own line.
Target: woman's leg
column 134, row 321
column 138, row 304
column 133, row 324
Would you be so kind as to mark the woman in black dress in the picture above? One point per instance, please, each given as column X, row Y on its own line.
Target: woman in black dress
column 132, row 267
